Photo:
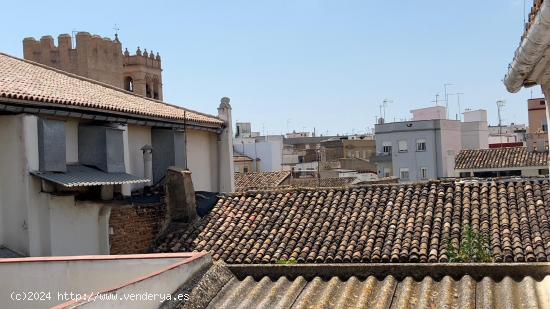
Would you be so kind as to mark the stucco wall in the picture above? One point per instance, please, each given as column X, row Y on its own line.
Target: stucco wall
column 475, row 135
column 86, row 276
column 71, row 140
column 269, row 153
column 138, row 136
column 35, row 223
column 76, row 227
column 412, row 159
column 202, row 156
column 13, row 188
column 451, row 143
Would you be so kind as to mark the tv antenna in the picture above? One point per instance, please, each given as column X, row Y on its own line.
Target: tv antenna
column 436, row 99
column 383, row 108
column 447, row 98
column 500, row 105
column 458, row 94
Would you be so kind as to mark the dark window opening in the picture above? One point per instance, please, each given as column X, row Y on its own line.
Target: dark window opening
column 147, row 90
column 156, row 90
column 129, row 84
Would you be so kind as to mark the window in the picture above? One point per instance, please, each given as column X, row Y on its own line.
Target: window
column 404, row 173
column 350, row 154
column 387, row 172
column 148, row 91
column 402, row 146
column 156, row 89
column 245, row 170
column 129, row 84
column 364, row 154
column 423, row 173
column 420, row 145
column 386, row 147
column 357, row 153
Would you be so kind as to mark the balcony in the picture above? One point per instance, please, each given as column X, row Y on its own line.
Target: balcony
column 381, row 157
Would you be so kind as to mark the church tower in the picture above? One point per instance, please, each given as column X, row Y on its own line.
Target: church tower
column 100, row 59
column 143, row 73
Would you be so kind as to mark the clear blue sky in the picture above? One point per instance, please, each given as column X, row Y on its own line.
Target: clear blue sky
column 300, row 64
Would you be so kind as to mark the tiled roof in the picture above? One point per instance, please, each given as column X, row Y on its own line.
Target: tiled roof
column 26, row 80
column 239, row 157
column 500, row 158
column 378, row 223
column 323, row 182
column 260, row 180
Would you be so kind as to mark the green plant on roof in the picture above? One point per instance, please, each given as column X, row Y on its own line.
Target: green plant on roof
column 287, row 262
column 474, row 248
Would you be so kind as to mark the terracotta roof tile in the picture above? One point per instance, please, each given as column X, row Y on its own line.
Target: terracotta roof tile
column 323, row 182
column 260, row 180
column 500, row 158
column 371, row 224
column 26, row 80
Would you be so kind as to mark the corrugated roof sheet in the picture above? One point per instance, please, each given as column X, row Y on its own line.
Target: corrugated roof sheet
column 383, row 293
column 27, row 80
column 8, row 253
column 83, row 176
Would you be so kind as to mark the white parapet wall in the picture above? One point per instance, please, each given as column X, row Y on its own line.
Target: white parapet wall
column 123, row 281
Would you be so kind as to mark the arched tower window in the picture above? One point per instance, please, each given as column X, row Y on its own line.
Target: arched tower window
column 156, row 89
column 129, row 84
column 148, row 90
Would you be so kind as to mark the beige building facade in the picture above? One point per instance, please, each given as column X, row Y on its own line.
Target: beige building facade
column 537, row 132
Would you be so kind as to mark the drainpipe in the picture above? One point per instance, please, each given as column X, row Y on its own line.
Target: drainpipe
column 530, row 52
column 148, row 163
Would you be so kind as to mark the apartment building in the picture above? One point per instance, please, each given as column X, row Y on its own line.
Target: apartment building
column 417, row 150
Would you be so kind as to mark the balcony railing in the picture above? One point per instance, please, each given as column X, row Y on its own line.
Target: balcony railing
column 382, row 157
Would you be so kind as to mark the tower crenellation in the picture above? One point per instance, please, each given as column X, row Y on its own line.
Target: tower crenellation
column 101, row 59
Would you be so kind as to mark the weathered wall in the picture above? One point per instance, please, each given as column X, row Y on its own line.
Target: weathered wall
column 75, row 226
column 93, row 274
column 475, row 135
column 202, row 156
column 134, row 227
column 138, row 136
column 13, row 188
column 71, row 140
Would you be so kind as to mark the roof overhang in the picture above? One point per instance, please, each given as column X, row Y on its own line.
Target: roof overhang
column 49, row 109
column 530, row 64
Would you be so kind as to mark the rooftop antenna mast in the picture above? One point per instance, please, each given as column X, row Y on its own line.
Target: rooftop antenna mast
column 447, row 98
column 500, row 105
column 383, row 107
column 458, row 94
column 436, row 99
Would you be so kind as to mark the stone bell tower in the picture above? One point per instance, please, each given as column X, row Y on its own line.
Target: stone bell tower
column 143, row 73
column 99, row 59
